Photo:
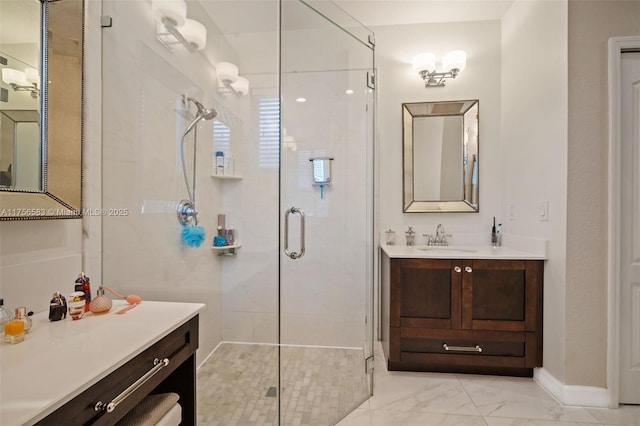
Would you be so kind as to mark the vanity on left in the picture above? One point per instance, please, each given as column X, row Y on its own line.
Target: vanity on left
column 97, row 369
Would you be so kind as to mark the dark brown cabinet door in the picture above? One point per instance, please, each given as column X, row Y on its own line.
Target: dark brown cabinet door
column 500, row 295
column 426, row 293
column 470, row 316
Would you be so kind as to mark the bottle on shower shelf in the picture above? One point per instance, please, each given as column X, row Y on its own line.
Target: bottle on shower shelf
column 219, row 163
column 228, row 165
column 230, row 235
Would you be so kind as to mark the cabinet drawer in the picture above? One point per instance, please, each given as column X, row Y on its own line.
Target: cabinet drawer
column 464, row 342
column 177, row 347
column 463, row 346
column 469, row 351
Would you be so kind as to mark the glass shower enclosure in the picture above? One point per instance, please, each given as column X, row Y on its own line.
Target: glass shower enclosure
column 287, row 333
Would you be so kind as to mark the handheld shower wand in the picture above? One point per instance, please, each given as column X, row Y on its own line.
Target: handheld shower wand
column 187, row 214
column 202, row 114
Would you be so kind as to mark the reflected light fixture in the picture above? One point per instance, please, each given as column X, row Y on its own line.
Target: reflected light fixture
column 175, row 28
column 452, row 63
column 22, row 81
column 229, row 81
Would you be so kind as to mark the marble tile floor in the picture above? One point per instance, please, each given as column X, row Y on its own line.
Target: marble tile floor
column 319, row 386
column 424, row 399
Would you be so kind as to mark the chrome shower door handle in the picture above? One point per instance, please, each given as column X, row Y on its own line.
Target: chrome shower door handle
column 293, row 254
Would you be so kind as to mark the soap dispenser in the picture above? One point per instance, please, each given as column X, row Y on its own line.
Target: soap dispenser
column 494, row 234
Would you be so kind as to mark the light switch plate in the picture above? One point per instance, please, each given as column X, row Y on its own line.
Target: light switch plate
column 543, row 211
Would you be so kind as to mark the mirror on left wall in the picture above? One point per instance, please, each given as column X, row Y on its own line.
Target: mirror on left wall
column 41, row 98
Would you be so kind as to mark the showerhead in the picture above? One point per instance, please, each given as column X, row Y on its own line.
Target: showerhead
column 202, row 114
column 208, row 113
column 205, row 113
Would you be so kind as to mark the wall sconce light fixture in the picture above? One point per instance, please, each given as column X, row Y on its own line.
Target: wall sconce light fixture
column 22, row 81
column 175, row 28
column 229, row 81
column 452, row 63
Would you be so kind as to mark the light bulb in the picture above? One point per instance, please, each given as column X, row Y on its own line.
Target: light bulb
column 12, row 76
column 456, row 59
column 194, row 33
column 226, row 71
column 241, row 85
column 424, row 62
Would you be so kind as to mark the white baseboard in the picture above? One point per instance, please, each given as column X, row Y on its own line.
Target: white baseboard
column 580, row 396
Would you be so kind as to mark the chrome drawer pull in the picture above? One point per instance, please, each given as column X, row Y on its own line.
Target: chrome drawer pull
column 158, row 364
column 475, row 348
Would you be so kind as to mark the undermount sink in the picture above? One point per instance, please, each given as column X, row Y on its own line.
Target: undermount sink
column 446, row 250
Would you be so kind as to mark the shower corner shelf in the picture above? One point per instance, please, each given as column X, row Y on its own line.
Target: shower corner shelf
column 226, row 177
column 226, row 250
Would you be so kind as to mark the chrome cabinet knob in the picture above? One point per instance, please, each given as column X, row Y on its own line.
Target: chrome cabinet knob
column 457, row 269
column 468, row 269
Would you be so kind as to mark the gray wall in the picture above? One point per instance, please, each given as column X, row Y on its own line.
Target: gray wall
column 591, row 24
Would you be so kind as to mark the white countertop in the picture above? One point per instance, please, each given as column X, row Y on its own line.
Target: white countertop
column 459, row 252
column 59, row 360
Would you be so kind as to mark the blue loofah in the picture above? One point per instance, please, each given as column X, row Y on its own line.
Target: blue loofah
column 219, row 241
column 192, row 235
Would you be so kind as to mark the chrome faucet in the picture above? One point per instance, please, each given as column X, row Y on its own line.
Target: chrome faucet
column 430, row 240
column 440, row 238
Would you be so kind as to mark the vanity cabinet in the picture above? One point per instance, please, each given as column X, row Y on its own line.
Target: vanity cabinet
column 177, row 350
column 462, row 315
column 93, row 371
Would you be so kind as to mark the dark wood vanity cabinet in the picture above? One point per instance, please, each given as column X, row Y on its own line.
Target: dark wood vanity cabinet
column 178, row 348
column 469, row 316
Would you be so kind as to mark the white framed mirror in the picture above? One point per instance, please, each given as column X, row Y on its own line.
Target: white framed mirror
column 41, row 63
column 440, row 156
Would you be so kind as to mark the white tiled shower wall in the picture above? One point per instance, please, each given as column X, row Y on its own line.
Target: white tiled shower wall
column 142, row 253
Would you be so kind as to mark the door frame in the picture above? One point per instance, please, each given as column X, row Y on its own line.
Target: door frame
column 617, row 45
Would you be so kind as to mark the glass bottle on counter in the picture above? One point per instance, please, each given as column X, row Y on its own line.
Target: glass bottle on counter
column 57, row 307
column 390, row 237
column 21, row 315
column 83, row 284
column 5, row 316
column 14, row 332
column 411, row 236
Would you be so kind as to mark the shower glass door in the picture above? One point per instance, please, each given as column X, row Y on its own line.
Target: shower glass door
column 284, row 339
column 326, row 193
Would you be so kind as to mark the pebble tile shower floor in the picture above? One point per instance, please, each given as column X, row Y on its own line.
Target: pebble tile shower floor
column 319, row 385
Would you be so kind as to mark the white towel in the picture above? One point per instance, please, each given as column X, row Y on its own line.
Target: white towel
column 150, row 410
column 172, row 418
